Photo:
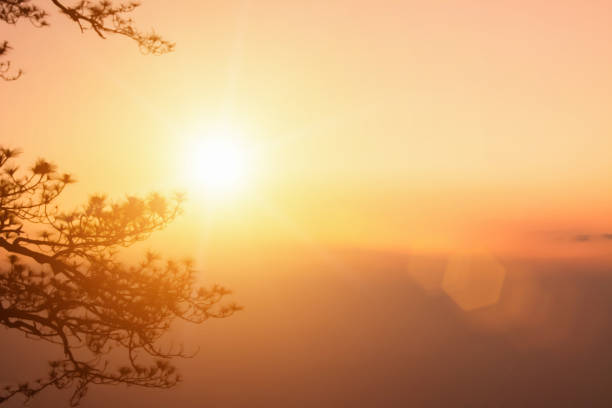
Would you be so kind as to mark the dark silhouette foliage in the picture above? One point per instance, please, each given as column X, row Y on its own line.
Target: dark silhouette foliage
column 63, row 283
column 104, row 17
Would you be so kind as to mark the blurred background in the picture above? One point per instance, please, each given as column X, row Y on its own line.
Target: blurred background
column 417, row 210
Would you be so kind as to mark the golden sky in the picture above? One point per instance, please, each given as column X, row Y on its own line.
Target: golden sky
column 380, row 167
column 392, row 125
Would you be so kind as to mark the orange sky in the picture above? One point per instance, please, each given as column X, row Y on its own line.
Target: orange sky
column 400, row 126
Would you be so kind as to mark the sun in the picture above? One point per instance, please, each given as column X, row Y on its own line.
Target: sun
column 217, row 161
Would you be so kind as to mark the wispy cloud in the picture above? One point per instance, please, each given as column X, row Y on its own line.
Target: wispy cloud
column 582, row 238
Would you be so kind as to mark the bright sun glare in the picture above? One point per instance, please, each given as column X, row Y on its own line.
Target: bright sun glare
column 216, row 161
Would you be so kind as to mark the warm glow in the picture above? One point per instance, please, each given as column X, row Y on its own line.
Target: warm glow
column 216, row 161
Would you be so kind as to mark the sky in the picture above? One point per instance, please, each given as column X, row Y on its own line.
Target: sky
column 421, row 200
column 406, row 126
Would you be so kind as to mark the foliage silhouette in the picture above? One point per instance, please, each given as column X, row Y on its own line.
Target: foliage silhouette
column 102, row 16
column 64, row 284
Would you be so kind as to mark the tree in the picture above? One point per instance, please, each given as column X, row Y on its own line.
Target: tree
column 101, row 16
column 64, row 284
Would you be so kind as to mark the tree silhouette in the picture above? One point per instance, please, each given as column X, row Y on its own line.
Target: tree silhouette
column 102, row 16
column 64, row 284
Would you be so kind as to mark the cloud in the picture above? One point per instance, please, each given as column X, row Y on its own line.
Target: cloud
column 582, row 238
